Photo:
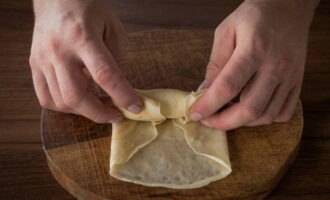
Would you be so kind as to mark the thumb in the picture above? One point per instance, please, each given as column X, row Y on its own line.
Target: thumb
column 222, row 49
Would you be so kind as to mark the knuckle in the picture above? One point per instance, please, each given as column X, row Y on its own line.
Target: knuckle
column 74, row 29
column 60, row 105
column 283, row 65
column 223, row 32
column 117, row 79
column 44, row 100
column 72, row 26
column 42, row 55
column 248, row 59
column 77, row 33
column 54, row 46
column 56, row 50
column 39, row 55
column 251, row 112
column 212, row 68
column 227, row 88
column 273, row 77
column 218, row 30
column 44, row 103
column 102, row 74
column 260, row 44
column 58, row 57
column 244, row 70
column 32, row 61
column 71, row 98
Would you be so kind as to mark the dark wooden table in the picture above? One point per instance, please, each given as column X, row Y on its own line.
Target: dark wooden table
column 23, row 170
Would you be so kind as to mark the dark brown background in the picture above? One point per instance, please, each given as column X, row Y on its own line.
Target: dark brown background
column 23, row 170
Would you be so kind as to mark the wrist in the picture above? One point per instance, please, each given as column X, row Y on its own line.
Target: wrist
column 314, row 3
column 307, row 7
column 302, row 10
column 38, row 6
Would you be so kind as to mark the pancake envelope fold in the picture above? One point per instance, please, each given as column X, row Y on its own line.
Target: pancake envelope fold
column 162, row 147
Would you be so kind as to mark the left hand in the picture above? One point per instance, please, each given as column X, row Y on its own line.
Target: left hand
column 259, row 52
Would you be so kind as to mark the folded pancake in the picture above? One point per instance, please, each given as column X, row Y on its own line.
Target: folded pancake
column 161, row 146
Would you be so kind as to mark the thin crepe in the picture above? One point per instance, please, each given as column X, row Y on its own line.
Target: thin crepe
column 161, row 146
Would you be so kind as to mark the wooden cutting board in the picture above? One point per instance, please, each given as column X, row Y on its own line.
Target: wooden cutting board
column 78, row 150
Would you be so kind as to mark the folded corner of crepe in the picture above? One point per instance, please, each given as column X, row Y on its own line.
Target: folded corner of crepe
column 125, row 142
column 211, row 144
column 190, row 99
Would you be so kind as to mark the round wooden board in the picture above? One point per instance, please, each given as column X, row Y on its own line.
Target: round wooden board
column 78, row 150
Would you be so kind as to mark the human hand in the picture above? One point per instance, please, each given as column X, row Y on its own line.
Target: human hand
column 68, row 36
column 258, row 52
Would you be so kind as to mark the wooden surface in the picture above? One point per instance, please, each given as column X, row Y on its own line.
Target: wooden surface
column 78, row 151
column 23, row 169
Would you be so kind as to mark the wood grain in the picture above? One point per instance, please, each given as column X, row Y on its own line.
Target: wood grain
column 78, row 150
column 309, row 177
column 23, row 168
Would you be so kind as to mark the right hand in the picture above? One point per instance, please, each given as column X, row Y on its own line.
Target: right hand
column 68, row 36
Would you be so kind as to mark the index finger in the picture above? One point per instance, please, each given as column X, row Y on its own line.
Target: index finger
column 72, row 85
column 226, row 85
column 250, row 108
column 106, row 73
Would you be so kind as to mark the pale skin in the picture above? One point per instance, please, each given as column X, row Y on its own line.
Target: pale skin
column 70, row 35
column 258, row 53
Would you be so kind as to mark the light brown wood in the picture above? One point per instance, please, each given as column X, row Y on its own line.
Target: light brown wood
column 23, row 170
column 78, row 150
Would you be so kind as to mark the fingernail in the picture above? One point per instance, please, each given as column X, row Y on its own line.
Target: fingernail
column 206, row 123
column 135, row 108
column 203, row 85
column 196, row 116
column 116, row 119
